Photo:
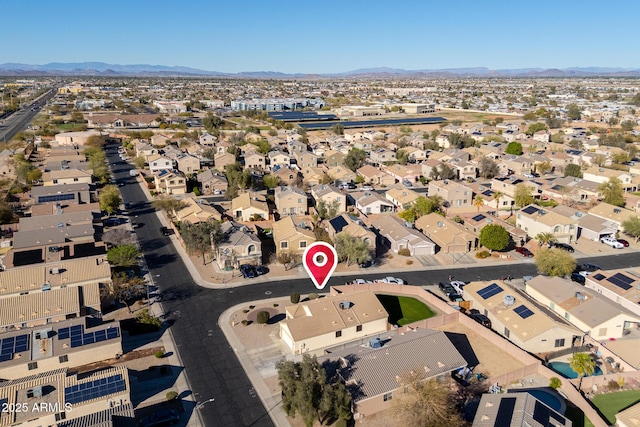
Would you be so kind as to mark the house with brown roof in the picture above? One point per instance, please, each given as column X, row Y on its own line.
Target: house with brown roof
column 212, row 182
column 67, row 176
column 187, row 163
column 195, row 211
column 612, row 213
column 317, row 324
column 290, row 201
column 330, row 195
column 170, row 182
column 287, row 175
column 293, row 235
column 520, row 165
column 333, row 159
column 144, row 150
column 455, row 195
column 402, row 198
column 375, row 176
column 370, row 202
column 221, row 160
column 255, row 161
column 449, row 236
column 159, row 162
column 239, row 246
column 279, row 158
column 353, row 227
column 396, row 235
column 248, row 206
column 535, row 220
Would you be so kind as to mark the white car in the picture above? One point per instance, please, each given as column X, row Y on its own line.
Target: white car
column 392, row 280
column 612, row 242
column 367, row 188
column 361, row 282
column 458, row 285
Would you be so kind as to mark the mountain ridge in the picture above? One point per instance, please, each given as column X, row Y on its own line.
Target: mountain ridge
column 97, row 68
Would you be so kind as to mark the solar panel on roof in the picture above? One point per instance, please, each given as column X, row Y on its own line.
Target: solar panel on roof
column 530, row 210
column 599, row 276
column 56, row 198
column 338, row 223
column 505, row 411
column 478, row 217
column 488, row 193
column 63, row 333
column 489, row 291
column 12, row 345
column 517, row 181
column 94, row 389
column 621, row 281
column 523, row 311
column 112, row 333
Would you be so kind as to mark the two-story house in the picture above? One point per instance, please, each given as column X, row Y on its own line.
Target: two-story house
column 290, row 201
column 292, row 235
column 170, row 182
column 454, row 195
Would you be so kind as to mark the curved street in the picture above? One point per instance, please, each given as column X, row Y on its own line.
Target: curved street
column 211, row 366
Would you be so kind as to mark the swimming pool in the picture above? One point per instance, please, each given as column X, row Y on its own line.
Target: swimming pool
column 545, row 395
column 565, row 369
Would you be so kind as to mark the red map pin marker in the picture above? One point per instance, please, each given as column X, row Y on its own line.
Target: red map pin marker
column 320, row 260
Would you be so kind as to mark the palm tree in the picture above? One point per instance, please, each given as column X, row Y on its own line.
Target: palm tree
column 497, row 196
column 478, row 202
column 545, row 238
column 583, row 364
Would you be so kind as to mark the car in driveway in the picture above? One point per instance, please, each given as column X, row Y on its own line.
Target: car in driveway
column 261, row 270
column 482, row 319
column 392, row 280
column 564, row 246
column 524, row 252
column 611, row 241
column 248, row 271
column 446, row 288
column 623, row 242
column 458, row 285
column 578, row 278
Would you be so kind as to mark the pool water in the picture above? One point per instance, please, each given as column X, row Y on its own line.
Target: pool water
column 565, row 369
column 547, row 396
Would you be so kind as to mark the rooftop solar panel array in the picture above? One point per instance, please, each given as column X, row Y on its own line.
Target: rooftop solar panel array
column 94, row 389
column 530, row 210
column 13, row 345
column 478, row 217
column 78, row 338
column 488, row 193
column 621, row 281
column 489, row 291
column 295, row 116
column 599, row 276
column 56, row 198
column 523, row 311
column 505, row 411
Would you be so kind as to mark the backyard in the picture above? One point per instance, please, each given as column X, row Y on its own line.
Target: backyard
column 610, row 404
column 404, row 310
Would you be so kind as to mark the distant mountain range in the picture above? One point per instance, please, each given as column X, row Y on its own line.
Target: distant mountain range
column 145, row 70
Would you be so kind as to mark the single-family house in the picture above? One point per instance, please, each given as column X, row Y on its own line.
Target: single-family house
column 402, row 198
column 290, row 201
column 66, row 176
column 518, row 409
column 187, row 163
column 279, row 158
column 535, row 220
column 369, row 202
column 455, row 195
column 395, row 235
column 449, row 236
column 306, row 159
column 212, row 182
column 249, row 206
column 170, row 182
column 256, row 161
column 239, row 246
column 330, row 196
column 220, row 161
column 353, row 227
column 158, row 163
column 381, row 156
column 292, row 235
column 207, row 140
column 375, row 176
column 195, row 211
column 612, row 213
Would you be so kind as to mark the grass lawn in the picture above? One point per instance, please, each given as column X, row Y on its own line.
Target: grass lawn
column 405, row 310
column 611, row 403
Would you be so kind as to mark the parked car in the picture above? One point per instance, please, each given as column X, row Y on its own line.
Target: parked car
column 367, row 264
column 248, row 271
column 524, row 251
column 407, row 183
column 458, row 285
column 623, row 242
column 261, row 270
column 160, row 418
column 482, row 319
column 578, row 278
column 590, row 267
column 367, row 188
column 564, row 246
column 360, row 281
column 611, row 241
column 165, row 231
column 446, row 288
column 392, row 280
column 455, row 297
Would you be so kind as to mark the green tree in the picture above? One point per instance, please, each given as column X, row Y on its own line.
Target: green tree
column 583, row 364
column 554, row 262
column 573, row 170
column 327, row 210
column 352, row 249
column 627, row 125
column 544, row 167
column 523, row 195
column 34, row 175
column 494, row 237
column 631, row 226
column 488, row 167
column 599, row 160
column 6, row 213
column 478, row 202
column 545, row 238
column 427, row 403
column 289, row 259
column 126, row 289
column 123, row 255
column 355, row 159
column 574, row 112
column 514, row 148
column 109, row 199
column 201, row 238
column 402, row 156
column 270, row 181
column 212, row 123
column 408, row 215
column 139, row 162
column 168, row 204
column 338, row 129
column 612, row 192
column 535, row 127
column 306, row 392
column 497, row 196
column 636, row 100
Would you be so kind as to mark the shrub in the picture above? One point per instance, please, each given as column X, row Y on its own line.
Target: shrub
column 172, row 395
column 313, row 295
column 555, row 383
column 613, row 385
column 245, row 322
column 263, row 317
column 251, row 307
column 340, row 423
column 404, row 252
column 245, row 311
column 159, row 354
column 483, row 254
column 295, row 297
column 409, row 261
column 276, row 305
column 196, row 191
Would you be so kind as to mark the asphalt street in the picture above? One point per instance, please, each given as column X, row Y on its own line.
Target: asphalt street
column 211, row 366
column 19, row 120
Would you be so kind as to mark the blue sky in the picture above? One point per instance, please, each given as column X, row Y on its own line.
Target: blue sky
column 323, row 36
